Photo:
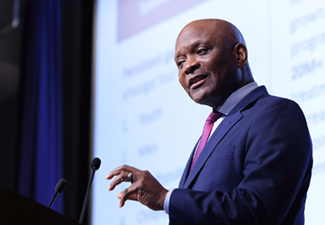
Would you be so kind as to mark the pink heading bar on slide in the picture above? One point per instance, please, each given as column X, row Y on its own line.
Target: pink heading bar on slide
column 137, row 15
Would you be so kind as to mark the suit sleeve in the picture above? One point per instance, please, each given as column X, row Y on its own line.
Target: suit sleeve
column 276, row 174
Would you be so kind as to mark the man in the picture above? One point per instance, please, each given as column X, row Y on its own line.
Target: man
column 256, row 166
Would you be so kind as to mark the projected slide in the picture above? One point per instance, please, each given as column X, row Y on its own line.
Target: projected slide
column 144, row 118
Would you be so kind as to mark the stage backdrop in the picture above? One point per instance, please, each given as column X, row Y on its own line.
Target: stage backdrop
column 143, row 117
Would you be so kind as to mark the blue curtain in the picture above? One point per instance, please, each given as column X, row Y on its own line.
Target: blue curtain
column 41, row 158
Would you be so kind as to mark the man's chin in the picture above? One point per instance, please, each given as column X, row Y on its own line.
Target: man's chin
column 205, row 100
column 199, row 99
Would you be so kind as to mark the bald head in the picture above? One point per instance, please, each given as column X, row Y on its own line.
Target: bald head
column 211, row 57
column 221, row 30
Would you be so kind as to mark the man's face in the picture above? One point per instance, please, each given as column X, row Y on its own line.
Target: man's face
column 207, row 68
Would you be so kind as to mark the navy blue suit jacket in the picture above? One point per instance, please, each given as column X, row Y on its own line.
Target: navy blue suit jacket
column 255, row 168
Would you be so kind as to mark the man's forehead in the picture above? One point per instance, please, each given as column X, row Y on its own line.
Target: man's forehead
column 202, row 29
column 196, row 33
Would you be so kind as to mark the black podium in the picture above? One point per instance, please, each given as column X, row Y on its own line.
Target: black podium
column 16, row 209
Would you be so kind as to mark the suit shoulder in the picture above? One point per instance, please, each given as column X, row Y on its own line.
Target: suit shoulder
column 274, row 102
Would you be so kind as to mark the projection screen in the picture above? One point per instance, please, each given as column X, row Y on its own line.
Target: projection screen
column 142, row 116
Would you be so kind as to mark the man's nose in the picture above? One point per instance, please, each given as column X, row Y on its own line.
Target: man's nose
column 191, row 65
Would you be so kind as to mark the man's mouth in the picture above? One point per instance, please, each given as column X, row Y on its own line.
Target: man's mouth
column 196, row 81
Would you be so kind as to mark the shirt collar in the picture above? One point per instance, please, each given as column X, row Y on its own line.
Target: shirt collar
column 235, row 98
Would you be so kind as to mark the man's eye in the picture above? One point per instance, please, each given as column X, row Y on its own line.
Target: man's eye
column 180, row 63
column 202, row 51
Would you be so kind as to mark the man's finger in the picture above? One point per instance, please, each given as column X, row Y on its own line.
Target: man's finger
column 119, row 169
column 122, row 177
column 116, row 172
column 128, row 194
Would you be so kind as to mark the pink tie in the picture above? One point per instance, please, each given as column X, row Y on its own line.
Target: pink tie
column 206, row 134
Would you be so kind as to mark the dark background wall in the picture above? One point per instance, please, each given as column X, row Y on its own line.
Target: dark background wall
column 77, row 25
column 10, row 51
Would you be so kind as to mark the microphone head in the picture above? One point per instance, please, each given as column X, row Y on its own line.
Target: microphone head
column 95, row 164
column 60, row 186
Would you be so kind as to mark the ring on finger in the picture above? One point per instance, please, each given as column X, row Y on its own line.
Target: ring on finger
column 130, row 177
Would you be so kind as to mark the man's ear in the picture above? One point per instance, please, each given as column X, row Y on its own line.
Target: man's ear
column 240, row 52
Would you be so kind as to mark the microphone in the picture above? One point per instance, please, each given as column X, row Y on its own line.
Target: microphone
column 95, row 164
column 60, row 186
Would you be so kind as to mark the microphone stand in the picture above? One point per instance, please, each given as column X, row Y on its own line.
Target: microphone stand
column 83, row 211
column 95, row 164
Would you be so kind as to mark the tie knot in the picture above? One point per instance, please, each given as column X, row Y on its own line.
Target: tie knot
column 213, row 117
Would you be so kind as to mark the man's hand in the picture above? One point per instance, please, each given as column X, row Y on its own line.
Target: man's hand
column 144, row 188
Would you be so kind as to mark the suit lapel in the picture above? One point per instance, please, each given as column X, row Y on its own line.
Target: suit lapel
column 210, row 146
column 187, row 168
column 229, row 121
